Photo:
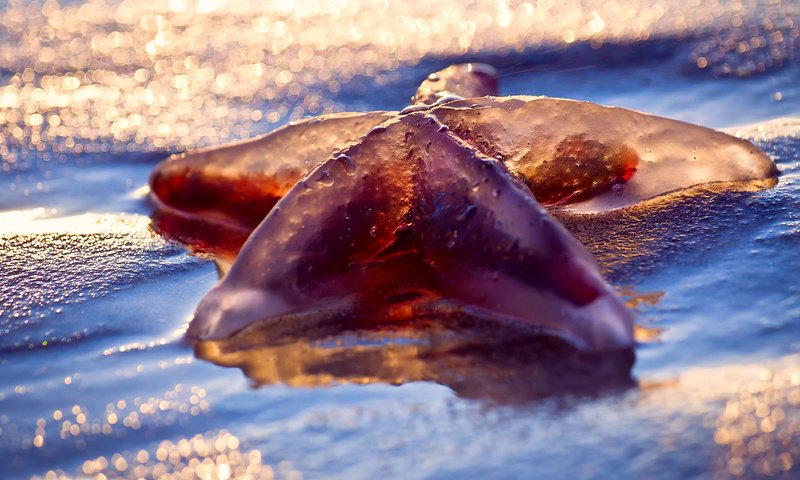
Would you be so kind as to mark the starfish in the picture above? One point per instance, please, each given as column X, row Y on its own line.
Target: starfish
column 434, row 210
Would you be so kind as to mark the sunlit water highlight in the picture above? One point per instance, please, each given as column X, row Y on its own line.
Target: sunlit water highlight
column 96, row 379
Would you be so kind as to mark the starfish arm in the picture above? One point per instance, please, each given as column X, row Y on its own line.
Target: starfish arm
column 240, row 182
column 413, row 210
column 465, row 80
column 569, row 151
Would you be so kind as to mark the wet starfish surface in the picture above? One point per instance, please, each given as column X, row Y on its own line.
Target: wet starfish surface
column 434, row 210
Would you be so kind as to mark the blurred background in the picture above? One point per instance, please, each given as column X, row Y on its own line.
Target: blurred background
column 142, row 76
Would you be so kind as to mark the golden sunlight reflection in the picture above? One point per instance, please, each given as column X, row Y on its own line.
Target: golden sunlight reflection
column 132, row 75
column 644, row 331
column 37, row 221
column 637, row 238
column 214, row 455
column 756, row 419
column 78, row 424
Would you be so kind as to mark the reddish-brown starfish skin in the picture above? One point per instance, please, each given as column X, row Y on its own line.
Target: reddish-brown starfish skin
column 445, row 224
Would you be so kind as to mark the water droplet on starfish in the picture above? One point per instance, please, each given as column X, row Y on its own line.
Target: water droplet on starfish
column 324, row 177
column 346, row 163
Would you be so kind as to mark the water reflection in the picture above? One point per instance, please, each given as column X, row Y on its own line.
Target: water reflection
column 632, row 242
column 217, row 239
column 473, row 359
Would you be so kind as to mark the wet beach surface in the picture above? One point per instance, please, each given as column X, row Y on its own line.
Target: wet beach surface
column 96, row 377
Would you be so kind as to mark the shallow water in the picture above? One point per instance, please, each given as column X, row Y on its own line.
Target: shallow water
column 95, row 376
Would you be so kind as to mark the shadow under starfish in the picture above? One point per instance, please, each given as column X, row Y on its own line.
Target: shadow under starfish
column 471, row 358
